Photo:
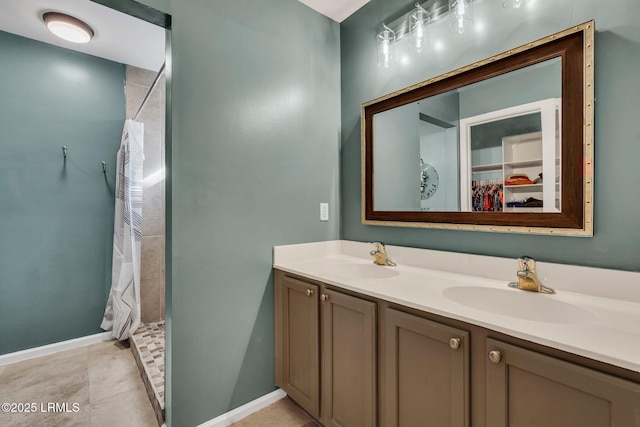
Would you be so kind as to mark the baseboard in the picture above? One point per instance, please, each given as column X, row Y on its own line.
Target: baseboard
column 44, row 350
column 245, row 410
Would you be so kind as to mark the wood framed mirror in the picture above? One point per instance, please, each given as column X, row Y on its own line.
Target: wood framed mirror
column 504, row 144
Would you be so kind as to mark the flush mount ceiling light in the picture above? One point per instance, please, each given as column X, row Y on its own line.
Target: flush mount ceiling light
column 67, row 27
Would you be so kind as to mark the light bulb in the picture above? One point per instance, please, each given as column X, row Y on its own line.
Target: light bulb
column 419, row 37
column 460, row 15
column 385, row 47
column 515, row 4
column 418, row 28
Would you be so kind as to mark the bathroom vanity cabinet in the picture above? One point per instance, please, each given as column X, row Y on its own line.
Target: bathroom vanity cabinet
column 527, row 388
column 349, row 348
column 424, row 372
column 297, row 324
column 353, row 360
column 326, row 351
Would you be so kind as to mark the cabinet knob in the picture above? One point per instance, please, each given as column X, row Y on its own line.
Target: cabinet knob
column 324, row 297
column 309, row 292
column 495, row 356
column 454, row 343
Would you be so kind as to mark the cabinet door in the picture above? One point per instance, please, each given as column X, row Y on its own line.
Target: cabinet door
column 425, row 368
column 348, row 361
column 297, row 342
column 527, row 389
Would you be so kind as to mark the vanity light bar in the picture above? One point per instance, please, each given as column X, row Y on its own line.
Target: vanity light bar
column 436, row 9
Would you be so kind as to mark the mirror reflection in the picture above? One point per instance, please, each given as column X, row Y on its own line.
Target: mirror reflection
column 491, row 146
column 504, row 144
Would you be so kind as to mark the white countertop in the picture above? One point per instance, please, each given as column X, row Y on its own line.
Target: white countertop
column 595, row 313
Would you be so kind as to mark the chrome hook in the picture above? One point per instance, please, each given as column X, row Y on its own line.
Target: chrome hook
column 64, row 151
column 104, row 167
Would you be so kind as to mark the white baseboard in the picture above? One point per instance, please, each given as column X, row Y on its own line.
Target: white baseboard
column 44, row 350
column 245, row 410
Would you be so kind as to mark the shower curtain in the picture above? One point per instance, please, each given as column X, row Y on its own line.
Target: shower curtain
column 122, row 314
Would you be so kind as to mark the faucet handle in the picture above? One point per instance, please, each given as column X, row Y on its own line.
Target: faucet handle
column 379, row 246
column 526, row 263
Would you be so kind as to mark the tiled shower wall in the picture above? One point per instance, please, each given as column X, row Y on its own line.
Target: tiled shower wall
column 152, row 271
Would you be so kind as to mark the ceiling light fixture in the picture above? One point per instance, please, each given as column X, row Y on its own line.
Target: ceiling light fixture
column 67, row 27
column 415, row 24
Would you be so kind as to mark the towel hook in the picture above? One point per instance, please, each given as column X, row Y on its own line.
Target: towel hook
column 104, row 167
column 64, row 151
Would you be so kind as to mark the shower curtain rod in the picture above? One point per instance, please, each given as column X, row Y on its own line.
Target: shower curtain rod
column 148, row 95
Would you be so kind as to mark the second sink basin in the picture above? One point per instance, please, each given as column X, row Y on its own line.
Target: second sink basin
column 519, row 304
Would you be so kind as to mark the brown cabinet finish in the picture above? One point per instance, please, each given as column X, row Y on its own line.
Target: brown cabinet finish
column 422, row 380
column 528, row 389
column 348, row 360
column 424, row 372
column 297, row 332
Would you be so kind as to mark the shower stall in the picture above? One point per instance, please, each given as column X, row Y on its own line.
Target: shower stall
column 145, row 102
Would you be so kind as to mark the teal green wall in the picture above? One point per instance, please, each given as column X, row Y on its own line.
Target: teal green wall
column 256, row 146
column 529, row 85
column 56, row 218
column 255, row 149
column 617, row 149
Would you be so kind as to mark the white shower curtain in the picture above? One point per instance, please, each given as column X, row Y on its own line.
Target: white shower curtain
column 122, row 314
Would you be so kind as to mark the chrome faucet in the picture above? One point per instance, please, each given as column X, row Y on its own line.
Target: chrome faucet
column 379, row 255
column 528, row 279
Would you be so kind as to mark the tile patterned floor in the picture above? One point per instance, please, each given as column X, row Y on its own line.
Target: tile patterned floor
column 283, row 413
column 102, row 379
column 147, row 345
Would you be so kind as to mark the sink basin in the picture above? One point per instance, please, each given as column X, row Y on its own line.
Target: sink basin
column 363, row 271
column 519, row 304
